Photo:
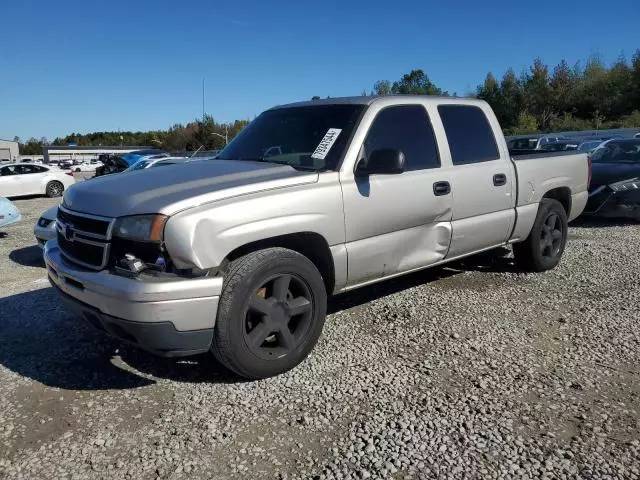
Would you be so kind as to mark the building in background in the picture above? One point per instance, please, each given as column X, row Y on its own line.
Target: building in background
column 8, row 150
column 54, row 153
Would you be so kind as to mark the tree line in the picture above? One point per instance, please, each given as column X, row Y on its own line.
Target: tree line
column 540, row 98
column 203, row 133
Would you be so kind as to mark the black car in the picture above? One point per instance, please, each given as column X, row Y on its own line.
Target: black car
column 615, row 180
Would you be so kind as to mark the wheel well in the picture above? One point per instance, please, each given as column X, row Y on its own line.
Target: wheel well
column 311, row 245
column 562, row 195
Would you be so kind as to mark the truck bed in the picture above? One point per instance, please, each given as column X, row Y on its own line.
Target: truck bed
column 531, row 154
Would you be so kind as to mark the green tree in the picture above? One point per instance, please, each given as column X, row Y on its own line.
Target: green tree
column 527, row 123
column 538, row 94
column 415, row 82
column 562, row 85
column 382, row 87
column 512, row 95
column 490, row 92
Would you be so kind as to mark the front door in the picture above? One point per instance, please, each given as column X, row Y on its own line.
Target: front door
column 9, row 181
column 397, row 222
column 30, row 179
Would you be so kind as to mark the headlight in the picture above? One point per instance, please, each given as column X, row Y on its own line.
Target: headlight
column 144, row 228
column 44, row 222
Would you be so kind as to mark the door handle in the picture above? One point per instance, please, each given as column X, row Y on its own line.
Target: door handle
column 499, row 179
column 441, row 188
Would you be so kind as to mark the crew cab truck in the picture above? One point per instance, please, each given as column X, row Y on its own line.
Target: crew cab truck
column 237, row 255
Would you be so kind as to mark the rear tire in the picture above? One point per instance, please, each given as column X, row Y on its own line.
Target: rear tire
column 54, row 189
column 271, row 313
column 543, row 248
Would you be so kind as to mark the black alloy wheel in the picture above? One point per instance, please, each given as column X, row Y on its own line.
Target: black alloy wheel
column 54, row 189
column 551, row 235
column 278, row 316
column 543, row 248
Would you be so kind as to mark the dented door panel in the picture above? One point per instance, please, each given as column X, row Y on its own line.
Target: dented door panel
column 395, row 223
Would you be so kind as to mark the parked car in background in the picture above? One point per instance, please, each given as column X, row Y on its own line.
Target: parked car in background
column 45, row 228
column 18, row 179
column 65, row 163
column 132, row 157
column 111, row 164
column 615, row 184
column 589, row 146
column 560, row 146
column 86, row 166
column 549, row 143
column 9, row 213
column 153, row 161
column 237, row 255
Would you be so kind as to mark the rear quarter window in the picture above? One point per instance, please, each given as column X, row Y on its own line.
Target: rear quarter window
column 469, row 134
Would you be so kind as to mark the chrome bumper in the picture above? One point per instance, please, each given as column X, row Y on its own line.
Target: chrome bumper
column 188, row 304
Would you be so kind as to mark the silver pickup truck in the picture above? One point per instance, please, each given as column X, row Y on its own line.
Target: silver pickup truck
column 237, row 255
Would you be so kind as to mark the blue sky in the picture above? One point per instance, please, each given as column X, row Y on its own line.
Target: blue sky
column 71, row 66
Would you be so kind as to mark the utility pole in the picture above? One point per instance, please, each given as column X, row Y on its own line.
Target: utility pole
column 203, row 100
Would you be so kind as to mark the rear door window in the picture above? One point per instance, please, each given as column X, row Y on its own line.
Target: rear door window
column 469, row 134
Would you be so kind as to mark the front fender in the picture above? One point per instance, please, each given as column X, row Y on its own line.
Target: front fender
column 205, row 235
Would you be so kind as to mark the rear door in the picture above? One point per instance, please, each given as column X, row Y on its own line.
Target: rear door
column 396, row 222
column 483, row 183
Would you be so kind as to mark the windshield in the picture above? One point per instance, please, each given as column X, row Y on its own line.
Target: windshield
column 165, row 162
column 618, row 151
column 312, row 137
column 139, row 165
column 588, row 146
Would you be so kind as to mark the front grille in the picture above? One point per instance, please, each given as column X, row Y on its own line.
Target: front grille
column 83, row 223
column 91, row 256
column 84, row 239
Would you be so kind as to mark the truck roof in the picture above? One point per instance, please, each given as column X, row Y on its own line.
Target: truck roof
column 388, row 99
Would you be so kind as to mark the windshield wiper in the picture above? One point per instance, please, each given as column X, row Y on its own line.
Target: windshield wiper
column 266, row 160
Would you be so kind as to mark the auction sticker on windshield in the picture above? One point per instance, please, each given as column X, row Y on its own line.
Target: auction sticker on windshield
column 326, row 143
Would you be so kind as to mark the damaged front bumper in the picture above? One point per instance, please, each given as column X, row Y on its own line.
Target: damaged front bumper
column 169, row 317
column 616, row 200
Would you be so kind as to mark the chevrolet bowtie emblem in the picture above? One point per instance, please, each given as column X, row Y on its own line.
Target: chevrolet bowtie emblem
column 69, row 233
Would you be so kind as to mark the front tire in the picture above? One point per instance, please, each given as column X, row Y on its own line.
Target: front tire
column 271, row 313
column 54, row 189
column 543, row 248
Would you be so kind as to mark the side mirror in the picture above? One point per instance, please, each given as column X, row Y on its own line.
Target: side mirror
column 382, row 161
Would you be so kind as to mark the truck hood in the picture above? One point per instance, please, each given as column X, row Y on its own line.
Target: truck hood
column 170, row 189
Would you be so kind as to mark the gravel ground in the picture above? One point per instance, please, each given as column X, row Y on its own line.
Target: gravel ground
column 473, row 371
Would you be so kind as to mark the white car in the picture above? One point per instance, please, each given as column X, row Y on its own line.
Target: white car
column 45, row 228
column 18, row 179
column 86, row 167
